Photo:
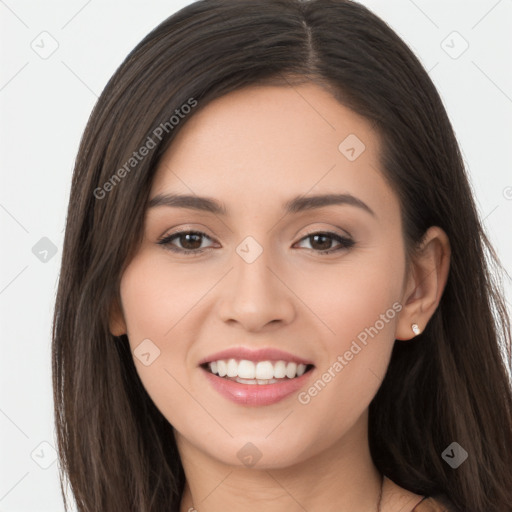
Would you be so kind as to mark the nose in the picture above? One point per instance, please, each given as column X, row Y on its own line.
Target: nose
column 255, row 295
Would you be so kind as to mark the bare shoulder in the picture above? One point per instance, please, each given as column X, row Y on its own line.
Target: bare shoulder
column 435, row 504
column 395, row 497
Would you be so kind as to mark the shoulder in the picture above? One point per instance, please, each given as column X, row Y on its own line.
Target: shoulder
column 399, row 498
column 438, row 503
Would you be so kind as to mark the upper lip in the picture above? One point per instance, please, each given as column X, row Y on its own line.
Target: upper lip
column 261, row 354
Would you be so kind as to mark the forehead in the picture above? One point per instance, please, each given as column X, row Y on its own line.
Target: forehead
column 268, row 143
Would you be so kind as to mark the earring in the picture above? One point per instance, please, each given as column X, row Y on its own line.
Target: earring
column 415, row 329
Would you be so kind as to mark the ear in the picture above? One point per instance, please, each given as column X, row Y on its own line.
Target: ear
column 425, row 283
column 117, row 325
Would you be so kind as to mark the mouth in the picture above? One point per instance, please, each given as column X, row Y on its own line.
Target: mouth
column 256, row 383
column 257, row 373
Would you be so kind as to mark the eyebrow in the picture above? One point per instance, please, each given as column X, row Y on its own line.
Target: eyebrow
column 297, row 204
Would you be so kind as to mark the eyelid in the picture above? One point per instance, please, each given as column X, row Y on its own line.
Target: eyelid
column 344, row 233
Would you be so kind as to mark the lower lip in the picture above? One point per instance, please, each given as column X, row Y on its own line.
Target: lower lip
column 256, row 394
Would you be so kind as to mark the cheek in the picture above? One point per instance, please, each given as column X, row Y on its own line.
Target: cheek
column 363, row 313
column 153, row 307
column 156, row 297
column 355, row 296
column 159, row 303
column 360, row 306
column 367, row 301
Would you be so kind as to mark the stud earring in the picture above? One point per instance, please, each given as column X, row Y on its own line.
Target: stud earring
column 415, row 329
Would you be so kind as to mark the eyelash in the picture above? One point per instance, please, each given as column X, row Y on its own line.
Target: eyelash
column 346, row 243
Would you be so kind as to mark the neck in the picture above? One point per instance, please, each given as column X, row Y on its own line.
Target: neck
column 341, row 478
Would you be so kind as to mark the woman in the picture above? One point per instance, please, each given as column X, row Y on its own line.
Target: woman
column 275, row 291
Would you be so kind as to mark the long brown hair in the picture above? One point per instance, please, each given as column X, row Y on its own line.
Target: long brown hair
column 450, row 384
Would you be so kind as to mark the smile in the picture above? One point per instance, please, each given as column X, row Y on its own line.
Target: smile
column 256, row 378
column 257, row 373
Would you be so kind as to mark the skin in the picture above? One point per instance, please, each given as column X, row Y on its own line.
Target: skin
column 254, row 149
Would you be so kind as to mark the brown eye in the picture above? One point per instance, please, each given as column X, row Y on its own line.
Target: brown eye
column 190, row 242
column 321, row 242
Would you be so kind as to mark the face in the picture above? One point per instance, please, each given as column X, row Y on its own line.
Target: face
column 271, row 275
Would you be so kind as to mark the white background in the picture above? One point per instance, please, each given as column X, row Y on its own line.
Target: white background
column 44, row 106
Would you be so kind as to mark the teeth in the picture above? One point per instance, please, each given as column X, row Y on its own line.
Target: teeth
column 291, row 370
column 255, row 381
column 232, row 368
column 279, row 370
column 222, row 368
column 263, row 372
column 246, row 370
